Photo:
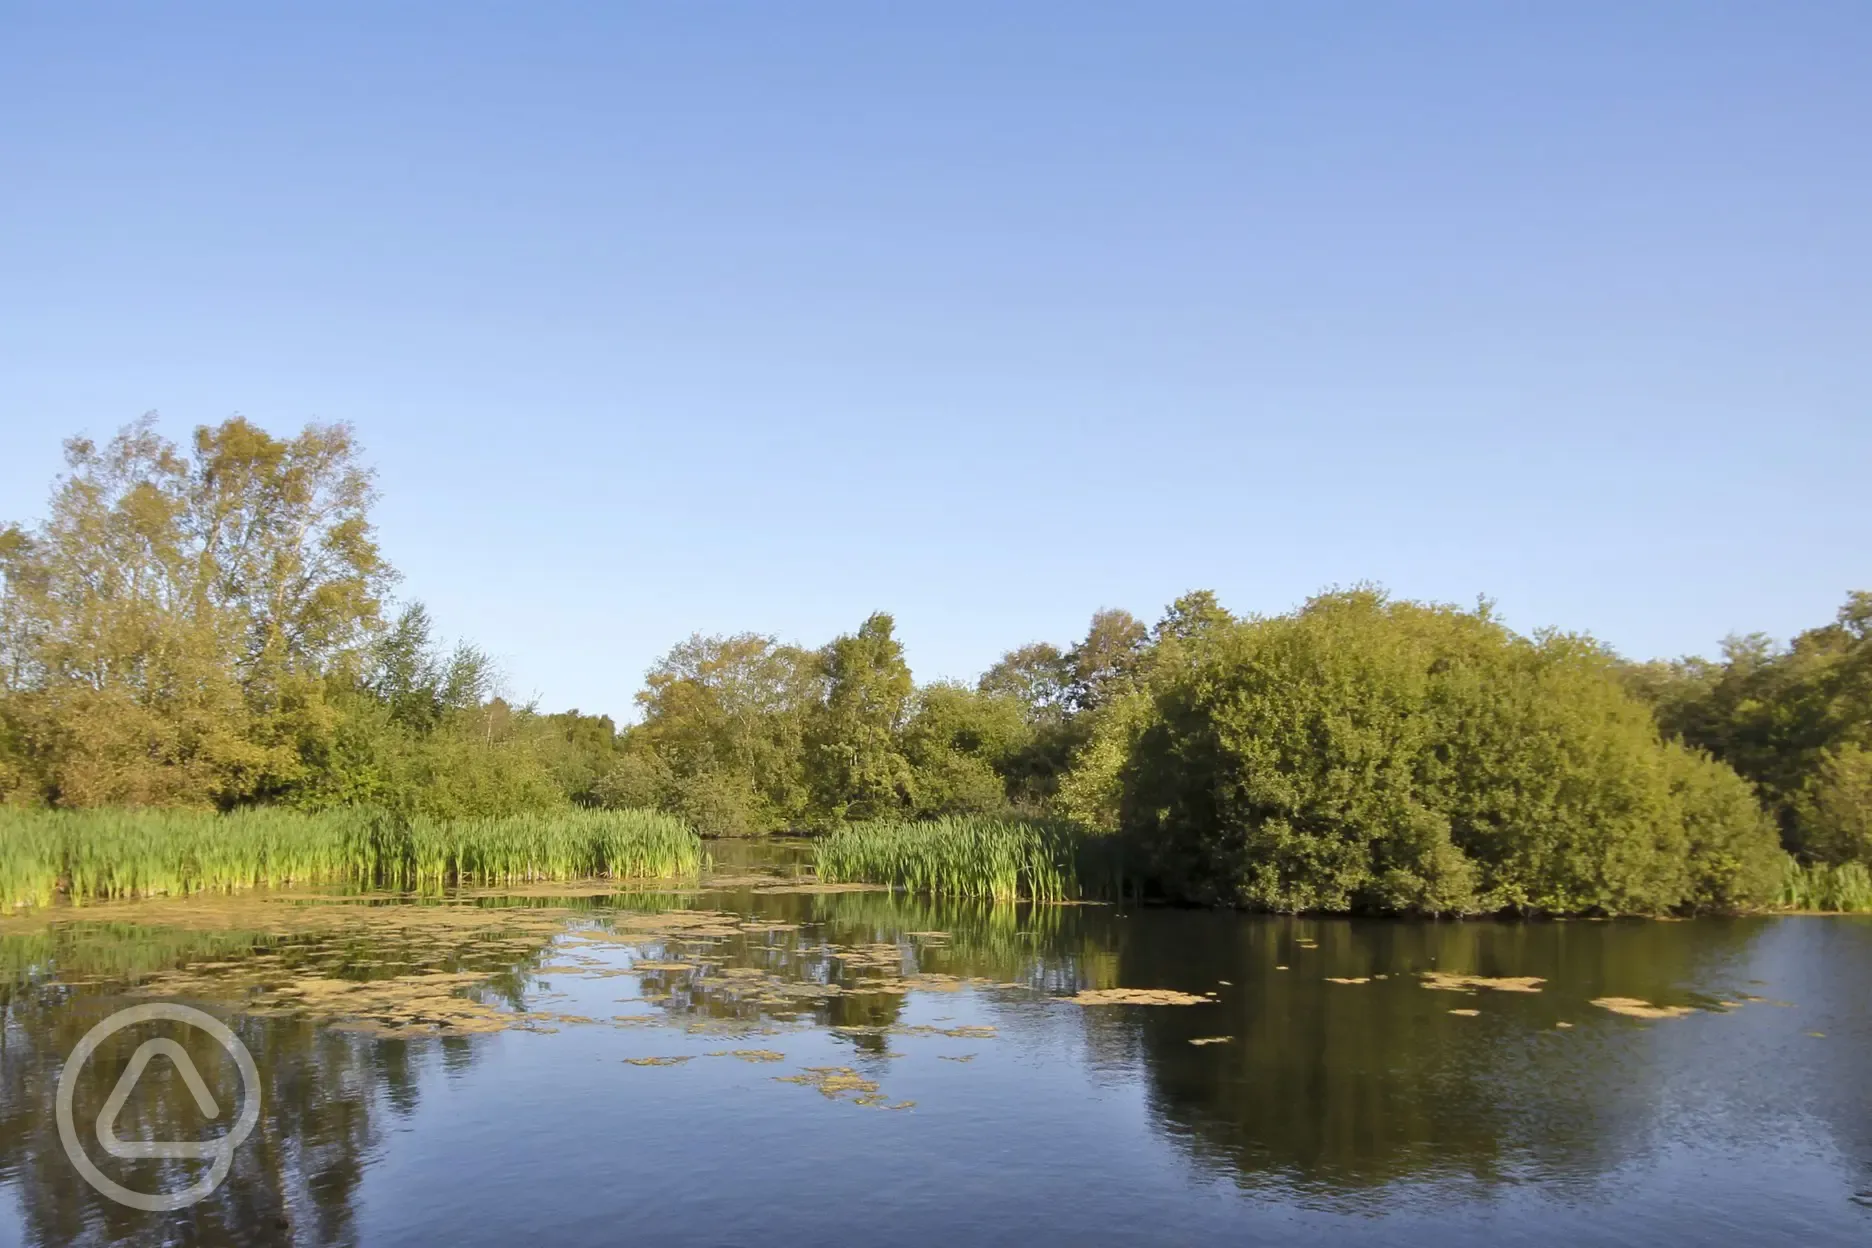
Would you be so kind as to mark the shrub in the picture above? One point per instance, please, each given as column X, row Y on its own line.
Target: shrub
column 1364, row 754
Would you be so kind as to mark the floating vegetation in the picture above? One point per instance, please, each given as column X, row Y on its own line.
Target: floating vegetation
column 837, row 1082
column 659, row 1061
column 101, row 855
column 1348, row 979
column 956, row 1057
column 357, row 966
column 973, row 857
column 1469, row 983
column 965, row 1032
column 1136, row 996
column 735, row 1028
column 408, row 1003
column 823, row 888
column 750, row 1055
column 1632, row 1007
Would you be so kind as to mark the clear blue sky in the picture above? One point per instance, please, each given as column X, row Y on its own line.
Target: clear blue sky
column 659, row 318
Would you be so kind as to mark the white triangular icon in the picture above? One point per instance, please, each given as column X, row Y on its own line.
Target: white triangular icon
column 204, row 1101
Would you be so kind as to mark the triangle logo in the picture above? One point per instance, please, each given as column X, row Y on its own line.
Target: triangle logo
column 191, row 1078
column 219, row 1152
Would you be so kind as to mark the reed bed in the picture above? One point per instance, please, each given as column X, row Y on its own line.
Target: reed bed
column 562, row 846
column 99, row 855
column 1844, row 889
column 1003, row 860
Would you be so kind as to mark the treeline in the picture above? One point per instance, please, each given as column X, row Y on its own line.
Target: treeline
column 210, row 628
column 1795, row 719
column 213, row 629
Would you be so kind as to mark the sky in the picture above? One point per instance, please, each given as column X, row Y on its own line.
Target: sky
column 657, row 319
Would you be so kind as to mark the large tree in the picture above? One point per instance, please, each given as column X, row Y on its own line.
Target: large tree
column 167, row 629
column 857, row 763
column 1103, row 662
column 964, row 746
column 722, row 735
column 1037, row 676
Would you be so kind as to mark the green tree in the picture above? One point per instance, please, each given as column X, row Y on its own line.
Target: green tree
column 1102, row 664
column 1037, row 676
column 858, row 768
column 1370, row 754
column 962, row 745
column 1788, row 718
column 722, row 736
column 1106, row 728
column 579, row 750
column 166, row 631
column 1835, row 808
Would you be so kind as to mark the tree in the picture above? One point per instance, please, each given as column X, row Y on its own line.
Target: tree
column 1370, row 754
column 857, row 764
column 1102, row 663
column 404, row 669
column 1191, row 619
column 1036, row 676
column 280, row 534
column 722, row 736
column 1120, row 668
column 166, row 630
column 1835, row 808
column 961, row 745
column 1788, row 718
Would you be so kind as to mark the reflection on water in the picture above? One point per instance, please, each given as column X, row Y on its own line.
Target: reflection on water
column 483, row 1067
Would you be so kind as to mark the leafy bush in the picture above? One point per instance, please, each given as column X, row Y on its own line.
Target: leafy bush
column 1364, row 754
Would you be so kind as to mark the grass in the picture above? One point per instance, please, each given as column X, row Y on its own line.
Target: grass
column 1845, row 889
column 103, row 854
column 1004, row 860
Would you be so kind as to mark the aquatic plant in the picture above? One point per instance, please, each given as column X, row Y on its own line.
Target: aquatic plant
column 102, row 854
column 1005, row 860
column 558, row 846
column 30, row 861
column 1846, row 888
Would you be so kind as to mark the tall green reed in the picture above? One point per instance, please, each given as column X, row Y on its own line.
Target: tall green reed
column 1004, row 860
column 97, row 855
column 1845, row 889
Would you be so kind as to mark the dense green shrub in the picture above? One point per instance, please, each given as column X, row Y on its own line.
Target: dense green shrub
column 1364, row 754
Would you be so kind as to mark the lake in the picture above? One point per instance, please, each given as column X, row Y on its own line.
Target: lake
column 763, row 1060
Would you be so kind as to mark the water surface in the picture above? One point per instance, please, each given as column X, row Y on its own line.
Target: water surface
column 766, row 1061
